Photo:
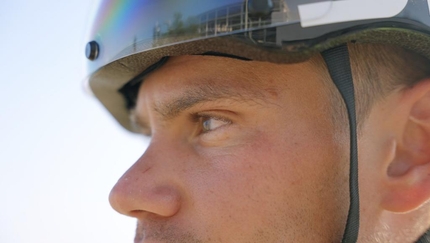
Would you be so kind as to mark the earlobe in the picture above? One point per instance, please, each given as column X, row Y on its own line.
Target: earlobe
column 408, row 191
column 407, row 185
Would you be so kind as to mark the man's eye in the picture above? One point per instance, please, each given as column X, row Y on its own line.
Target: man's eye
column 212, row 123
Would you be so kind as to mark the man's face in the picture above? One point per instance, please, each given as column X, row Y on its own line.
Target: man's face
column 241, row 151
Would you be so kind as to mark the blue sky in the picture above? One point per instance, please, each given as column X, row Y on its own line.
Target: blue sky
column 61, row 152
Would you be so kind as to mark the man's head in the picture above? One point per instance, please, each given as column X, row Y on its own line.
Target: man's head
column 250, row 137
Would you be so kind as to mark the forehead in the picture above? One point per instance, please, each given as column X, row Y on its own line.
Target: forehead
column 183, row 72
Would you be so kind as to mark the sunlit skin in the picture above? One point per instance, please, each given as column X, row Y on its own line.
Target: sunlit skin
column 245, row 151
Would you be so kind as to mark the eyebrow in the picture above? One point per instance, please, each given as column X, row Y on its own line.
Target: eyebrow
column 206, row 92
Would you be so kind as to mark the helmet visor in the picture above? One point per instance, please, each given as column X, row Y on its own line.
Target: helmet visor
column 126, row 27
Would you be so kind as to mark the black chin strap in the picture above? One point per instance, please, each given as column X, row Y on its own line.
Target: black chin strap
column 337, row 60
column 425, row 238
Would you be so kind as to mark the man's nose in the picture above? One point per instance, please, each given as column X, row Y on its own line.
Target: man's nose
column 147, row 188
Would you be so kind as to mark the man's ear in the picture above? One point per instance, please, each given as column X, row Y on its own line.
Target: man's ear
column 407, row 183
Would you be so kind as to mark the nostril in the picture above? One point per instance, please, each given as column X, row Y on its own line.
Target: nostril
column 138, row 214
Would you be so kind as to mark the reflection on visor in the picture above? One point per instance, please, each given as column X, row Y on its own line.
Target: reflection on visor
column 131, row 26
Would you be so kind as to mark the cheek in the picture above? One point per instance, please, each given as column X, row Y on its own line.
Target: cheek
column 265, row 181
